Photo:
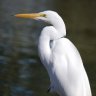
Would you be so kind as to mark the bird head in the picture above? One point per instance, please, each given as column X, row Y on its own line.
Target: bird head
column 47, row 16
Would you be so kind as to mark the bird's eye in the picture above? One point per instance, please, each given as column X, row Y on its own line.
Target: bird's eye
column 43, row 15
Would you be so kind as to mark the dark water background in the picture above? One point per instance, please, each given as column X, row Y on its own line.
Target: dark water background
column 21, row 72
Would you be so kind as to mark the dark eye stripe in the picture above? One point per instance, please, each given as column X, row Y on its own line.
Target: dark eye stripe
column 43, row 15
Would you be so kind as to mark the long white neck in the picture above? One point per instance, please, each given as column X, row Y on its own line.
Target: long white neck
column 50, row 33
column 59, row 25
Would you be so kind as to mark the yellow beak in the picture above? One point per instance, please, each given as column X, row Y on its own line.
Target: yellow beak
column 30, row 15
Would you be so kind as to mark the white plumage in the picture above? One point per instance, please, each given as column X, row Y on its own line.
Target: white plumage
column 61, row 58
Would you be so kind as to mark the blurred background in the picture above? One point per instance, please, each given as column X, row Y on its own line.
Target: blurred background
column 21, row 72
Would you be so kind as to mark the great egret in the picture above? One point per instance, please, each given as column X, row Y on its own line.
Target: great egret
column 60, row 57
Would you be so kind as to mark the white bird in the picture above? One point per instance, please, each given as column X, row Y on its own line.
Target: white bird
column 60, row 57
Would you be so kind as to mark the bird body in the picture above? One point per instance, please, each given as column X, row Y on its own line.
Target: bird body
column 60, row 57
column 64, row 66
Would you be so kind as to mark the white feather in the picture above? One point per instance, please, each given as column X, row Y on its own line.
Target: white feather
column 62, row 60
